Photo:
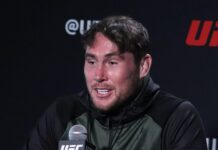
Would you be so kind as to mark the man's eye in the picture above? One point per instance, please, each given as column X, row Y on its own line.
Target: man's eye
column 91, row 62
column 113, row 63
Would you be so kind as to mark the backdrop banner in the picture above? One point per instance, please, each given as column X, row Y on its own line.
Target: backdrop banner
column 43, row 56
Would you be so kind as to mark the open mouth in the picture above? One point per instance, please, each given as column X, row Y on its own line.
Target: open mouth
column 103, row 92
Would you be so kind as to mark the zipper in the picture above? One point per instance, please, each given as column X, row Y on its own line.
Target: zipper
column 110, row 134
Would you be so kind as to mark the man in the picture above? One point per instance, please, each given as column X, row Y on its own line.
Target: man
column 123, row 108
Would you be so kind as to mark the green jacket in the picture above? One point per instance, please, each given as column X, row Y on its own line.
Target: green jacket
column 154, row 120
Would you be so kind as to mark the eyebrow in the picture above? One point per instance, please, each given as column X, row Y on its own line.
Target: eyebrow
column 113, row 54
column 107, row 55
column 89, row 55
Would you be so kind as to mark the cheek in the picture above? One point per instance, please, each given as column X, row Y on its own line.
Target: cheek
column 88, row 75
column 123, row 77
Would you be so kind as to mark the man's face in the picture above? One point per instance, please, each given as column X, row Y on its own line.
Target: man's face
column 111, row 77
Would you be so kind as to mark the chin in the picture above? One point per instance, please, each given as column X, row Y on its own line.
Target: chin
column 103, row 108
column 111, row 109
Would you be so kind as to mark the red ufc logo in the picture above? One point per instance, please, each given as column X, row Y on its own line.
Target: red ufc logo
column 202, row 33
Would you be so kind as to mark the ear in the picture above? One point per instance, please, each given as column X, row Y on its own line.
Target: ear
column 145, row 65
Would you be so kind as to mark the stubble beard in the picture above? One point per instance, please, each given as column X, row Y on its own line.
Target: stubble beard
column 119, row 100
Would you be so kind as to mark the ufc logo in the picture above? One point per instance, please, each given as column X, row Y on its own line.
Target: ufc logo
column 202, row 33
column 71, row 147
column 72, row 26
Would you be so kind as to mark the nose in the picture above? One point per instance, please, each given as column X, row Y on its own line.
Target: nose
column 100, row 74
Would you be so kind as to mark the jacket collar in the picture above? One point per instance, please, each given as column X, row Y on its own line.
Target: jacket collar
column 131, row 111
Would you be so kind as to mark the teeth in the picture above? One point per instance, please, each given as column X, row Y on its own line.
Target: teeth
column 102, row 91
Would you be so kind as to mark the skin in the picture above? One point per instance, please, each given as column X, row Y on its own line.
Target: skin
column 112, row 77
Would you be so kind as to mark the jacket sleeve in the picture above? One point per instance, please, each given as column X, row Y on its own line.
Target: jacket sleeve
column 46, row 133
column 184, row 129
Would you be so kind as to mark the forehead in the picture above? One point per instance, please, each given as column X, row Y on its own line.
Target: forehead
column 102, row 44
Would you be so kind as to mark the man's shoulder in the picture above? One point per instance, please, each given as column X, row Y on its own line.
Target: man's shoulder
column 182, row 125
column 163, row 106
column 65, row 102
column 66, row 108
column 175, row 104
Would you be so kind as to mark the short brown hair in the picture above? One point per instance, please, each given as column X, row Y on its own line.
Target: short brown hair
column 127, row 33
